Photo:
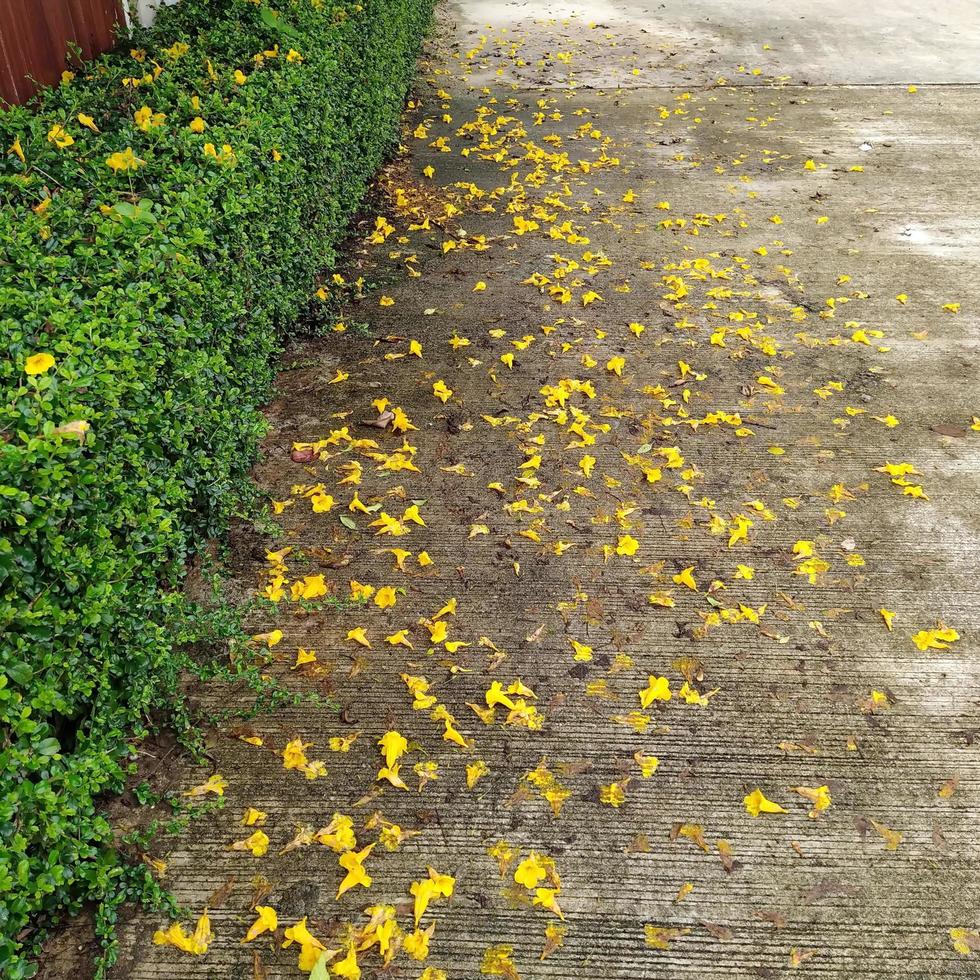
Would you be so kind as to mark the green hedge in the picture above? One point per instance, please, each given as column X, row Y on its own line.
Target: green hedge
column 160, row 292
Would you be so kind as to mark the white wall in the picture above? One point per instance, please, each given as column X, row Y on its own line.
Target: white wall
column 143, row 11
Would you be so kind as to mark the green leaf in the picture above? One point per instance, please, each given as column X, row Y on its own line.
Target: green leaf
column 320, row 971
column 273, row 20
column 20, row 673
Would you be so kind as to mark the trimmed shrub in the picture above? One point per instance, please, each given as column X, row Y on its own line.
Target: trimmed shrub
column 165, row 215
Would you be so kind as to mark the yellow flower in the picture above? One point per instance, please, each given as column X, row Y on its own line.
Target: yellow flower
column 257, row 843
column 756, row 803
column 197, row 125
column 17, row 150
column 937, row 639
column 416, row 944
column 310, row 946
column 359, row 636
column 353, row 863
column 347, row 968
column 216, row 784
column 385, row 597
column 658, row 689
column 321, row 503
column 88, row 122
column 145, row 118
column 38, row 364
column 531, row 871
column 125, row 160
column 240, row 77
column 58, row 135
column 612, row 795
column 196, row 944
column 393, row 746
column 294, row 754
column 476, row 771
column 627, row 545
column 294, row 56
column 819, row 796
column 225, row 154
column 435, row 886
column 267, row 921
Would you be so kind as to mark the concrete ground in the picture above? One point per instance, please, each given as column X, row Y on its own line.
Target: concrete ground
column 698, row 284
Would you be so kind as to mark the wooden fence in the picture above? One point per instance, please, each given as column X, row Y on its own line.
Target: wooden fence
column 36, row 38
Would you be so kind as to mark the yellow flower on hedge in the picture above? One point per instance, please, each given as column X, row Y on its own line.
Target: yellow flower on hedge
column 17, row 150
column 276, row 156
column 38, row 364
column 76, row 429
column 240, row 77
column 294, row 56
column 222, row 155
column 124, row 160
column 60, row 137
column 197, row 125
column 88, row 122
column 145, row 118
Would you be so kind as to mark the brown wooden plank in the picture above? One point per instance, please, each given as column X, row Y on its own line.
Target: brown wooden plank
column 57, row 22
column 107, row 17
column 25, row 35
column 91, row 33
column 35, row 35
column 11, row 56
